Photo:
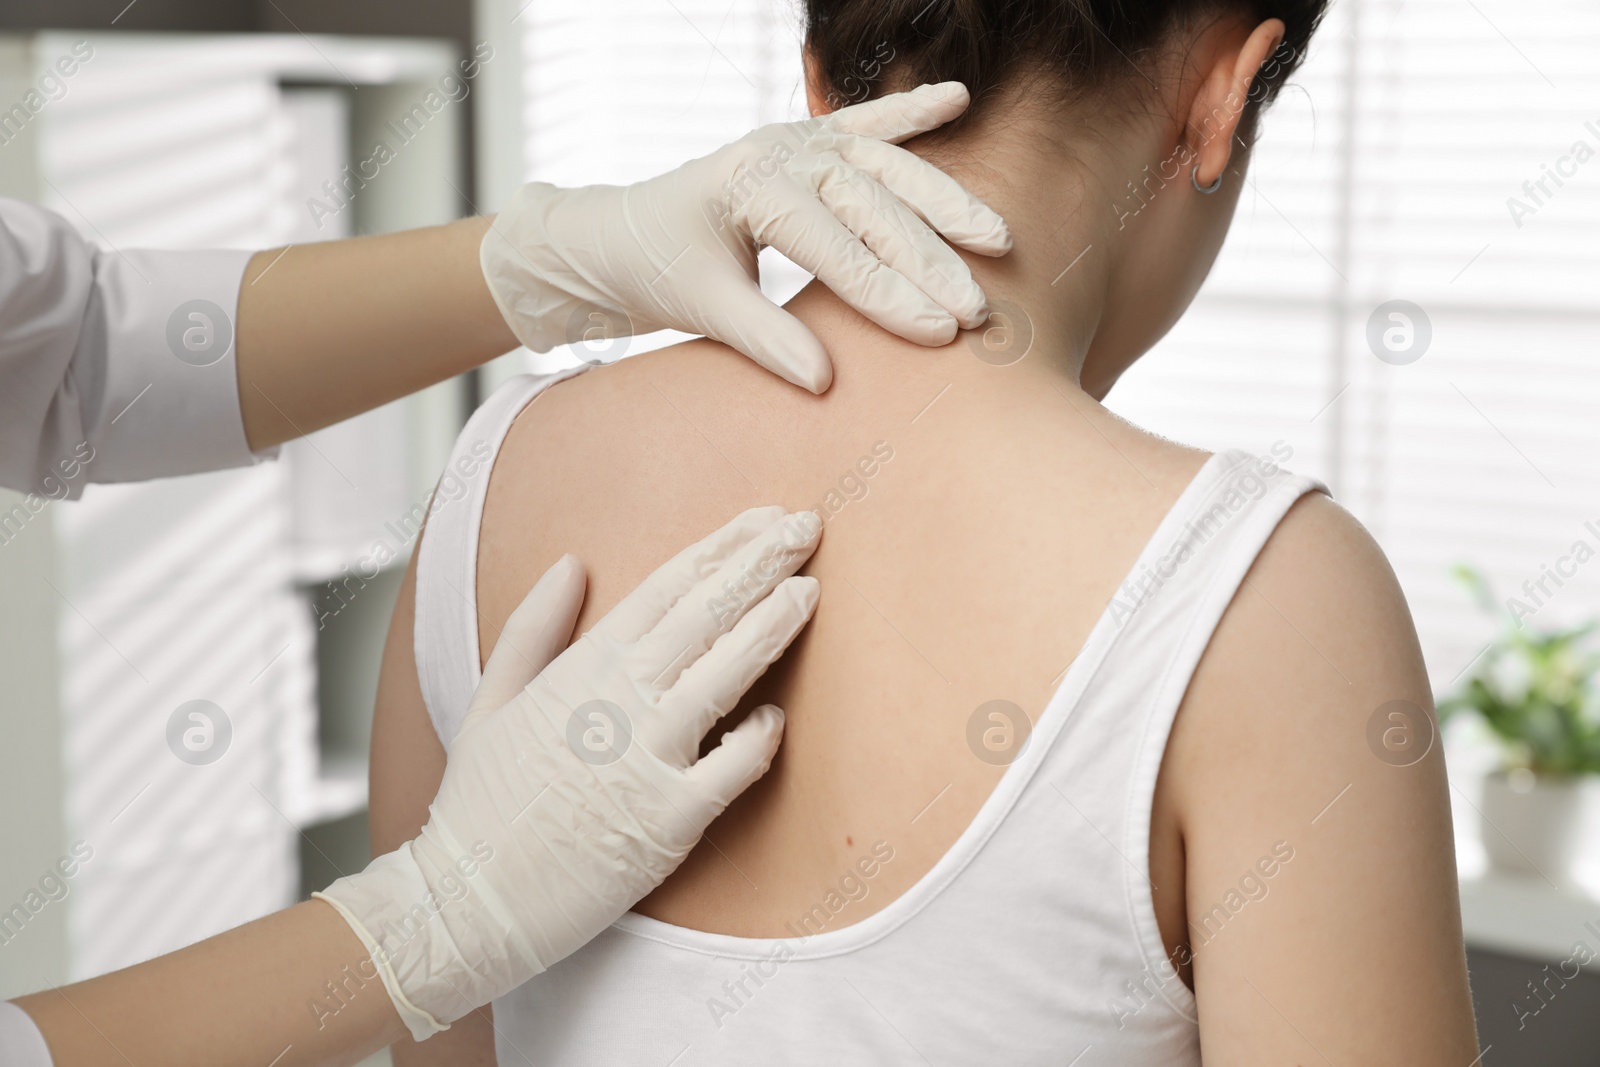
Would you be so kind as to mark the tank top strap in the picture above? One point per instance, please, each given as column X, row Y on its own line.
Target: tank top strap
column 1107, row 754
column 1202, row 550
column 1170, row 607
column 446, row 632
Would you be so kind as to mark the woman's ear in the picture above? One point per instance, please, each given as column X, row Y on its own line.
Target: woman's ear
column 816, row 94
column 1224, row 94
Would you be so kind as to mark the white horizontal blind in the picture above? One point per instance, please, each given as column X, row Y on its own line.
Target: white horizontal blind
column 1484, row 450
column 620, row 90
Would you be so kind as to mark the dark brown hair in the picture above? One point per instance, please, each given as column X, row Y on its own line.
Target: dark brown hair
column 868, row 47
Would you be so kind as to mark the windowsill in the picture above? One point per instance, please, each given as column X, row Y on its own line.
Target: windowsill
column 1529, row 917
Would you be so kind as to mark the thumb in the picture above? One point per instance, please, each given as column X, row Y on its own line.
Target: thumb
column 536, row 633
column 901, row 116
column 743, row 756
column 746, row 319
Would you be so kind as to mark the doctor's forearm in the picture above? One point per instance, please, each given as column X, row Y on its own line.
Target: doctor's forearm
column 293, row 988
column 329, row 330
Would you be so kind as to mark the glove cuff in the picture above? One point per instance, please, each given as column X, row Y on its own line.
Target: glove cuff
column 391, row 909
column 515, row 256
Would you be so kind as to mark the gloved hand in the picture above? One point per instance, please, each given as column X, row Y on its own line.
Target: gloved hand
column 569, row 796
column 679, row 250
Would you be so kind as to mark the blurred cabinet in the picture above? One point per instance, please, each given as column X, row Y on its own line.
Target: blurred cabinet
column 253, row 591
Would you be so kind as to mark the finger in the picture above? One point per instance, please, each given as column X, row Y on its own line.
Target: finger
column 747, row 320
column 938, row 199
column 744, row 755
column 717, row 603
column 789, row 217
column 712, row 686
column 897, row 236
column 901, row 116
column 535, row 633
column 643, row 608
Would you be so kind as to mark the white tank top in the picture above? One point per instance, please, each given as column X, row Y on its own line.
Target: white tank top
column 1032, row 941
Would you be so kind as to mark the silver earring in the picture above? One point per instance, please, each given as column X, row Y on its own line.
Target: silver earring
column 1194, row 180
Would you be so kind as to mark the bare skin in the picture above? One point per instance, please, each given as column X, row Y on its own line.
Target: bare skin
column 240, row 998
column 329, row 330
column 973, row 567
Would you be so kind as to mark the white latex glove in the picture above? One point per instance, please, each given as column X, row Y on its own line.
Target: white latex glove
column 569, row 796
column 679, row 251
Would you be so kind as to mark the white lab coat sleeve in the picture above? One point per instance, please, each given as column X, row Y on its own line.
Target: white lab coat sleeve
column 114, row 365
column 21, row 1043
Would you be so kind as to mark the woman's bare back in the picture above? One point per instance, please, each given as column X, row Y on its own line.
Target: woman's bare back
column 978, row 520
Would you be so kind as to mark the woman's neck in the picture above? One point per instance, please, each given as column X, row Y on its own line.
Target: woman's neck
column 1043, row 316
column 1049, row 293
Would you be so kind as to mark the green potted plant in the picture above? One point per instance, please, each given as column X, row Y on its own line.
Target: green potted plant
column 1535, row 690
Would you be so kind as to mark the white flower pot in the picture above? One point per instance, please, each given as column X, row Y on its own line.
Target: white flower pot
column 1530, row 825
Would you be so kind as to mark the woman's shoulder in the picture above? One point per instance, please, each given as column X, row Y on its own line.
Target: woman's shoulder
column 616, row 463
column 1319, row 625
column 1306, row 750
